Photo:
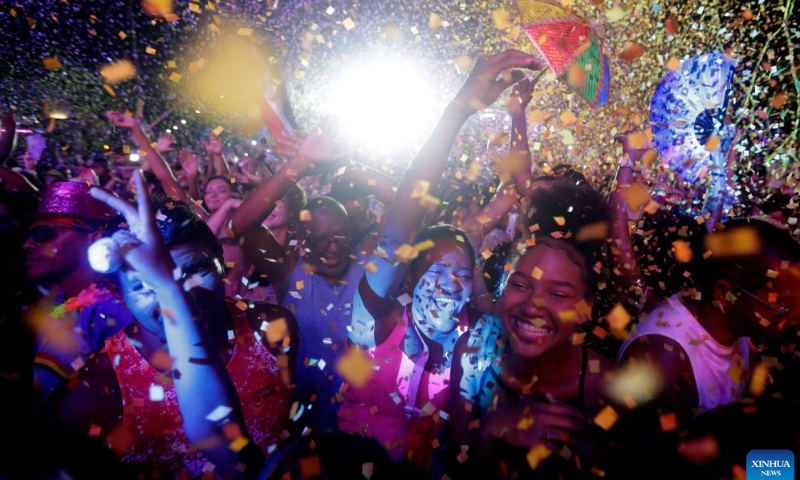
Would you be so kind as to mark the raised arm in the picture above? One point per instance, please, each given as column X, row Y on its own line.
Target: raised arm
column 261, row 248
column 154, row 159
column 404, row 217
column 8, row 138
column 207, row 398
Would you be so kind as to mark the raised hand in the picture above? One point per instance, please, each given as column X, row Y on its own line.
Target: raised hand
column 322, row 148
column 521, row 96
column 142, row 245
column 189, row 162
column 288, row 144
column 483, row 86
column 633, row 146
column 121, row 120
column 213, row 146
column 164, row 143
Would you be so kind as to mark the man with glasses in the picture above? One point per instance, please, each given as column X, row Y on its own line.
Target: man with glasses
column 699, row 341
column 76, row 313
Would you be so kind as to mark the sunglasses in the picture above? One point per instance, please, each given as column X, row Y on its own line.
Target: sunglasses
column 324, row 243
column 48, row 233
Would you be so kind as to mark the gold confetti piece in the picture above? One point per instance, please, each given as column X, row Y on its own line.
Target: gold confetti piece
column 636, row 196
column 593, row 231
column 426, row 244
column 299, row 285
column 669, row 422
column 277, row 330
column 194, row 8
column 122, row 35
column 213, row 27
column 486, row 253
column 117, row 72
column 631, row 52
column 238, row 444
column 218, row 130
column 500, row 19
column 348, row 23
column 175, row 77
column 568, row 316
column 568, row 118
column 637, row 141
column 537, row 455
column 537, row 273
column 560, row 221
column 712, row 143
column 434, row 22
column 525, row 423
column 52, row 63
column 740, row 241
column 157, row 8
column 618, row 318
column 355, row 367
column 617, row 13
column 772, row 273
column 370, row 267
column 463, row 62
column 244, row 32
column 305, row 216
column 682, row 251
column 606, row 418
column 406, row 253
column 109, row 90
column 538, row 117
column 150, row 50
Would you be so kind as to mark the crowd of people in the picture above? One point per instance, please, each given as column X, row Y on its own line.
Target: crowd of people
column 299, row 315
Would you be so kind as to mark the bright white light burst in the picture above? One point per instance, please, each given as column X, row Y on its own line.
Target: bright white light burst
column 383, row 106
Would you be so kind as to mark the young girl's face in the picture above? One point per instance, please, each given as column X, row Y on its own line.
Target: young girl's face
column 443, row 289
column 543, row 301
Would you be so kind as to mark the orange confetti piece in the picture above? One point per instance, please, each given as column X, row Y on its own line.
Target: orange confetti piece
column 671, row 26
column 606, row 418
column 669, row 422
column 682, row 251
column 218, row 130
column 117, row 72
column 52, row 63
column 109, row 90
column 713, row 143
column 631, row 52
column 355, row 367
column 150, row 50
column 537, row 455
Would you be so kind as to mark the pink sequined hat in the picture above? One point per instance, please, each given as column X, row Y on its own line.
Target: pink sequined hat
column 72, row 199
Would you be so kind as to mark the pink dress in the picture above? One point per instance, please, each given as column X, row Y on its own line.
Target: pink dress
column 160, row 448
column 400, row 404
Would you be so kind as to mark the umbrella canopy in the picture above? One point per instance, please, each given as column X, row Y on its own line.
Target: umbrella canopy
column 687, row 112
column 570, row 46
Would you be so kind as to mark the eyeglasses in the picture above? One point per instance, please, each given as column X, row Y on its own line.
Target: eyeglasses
column 48, row 233
column 779, row 311
column 324, row 243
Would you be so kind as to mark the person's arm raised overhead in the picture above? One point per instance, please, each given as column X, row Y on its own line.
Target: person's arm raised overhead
column 154, row 159
column 207, row 398
column 374, row 181
column 319, row 150
column 488, row 79
column 8, row 139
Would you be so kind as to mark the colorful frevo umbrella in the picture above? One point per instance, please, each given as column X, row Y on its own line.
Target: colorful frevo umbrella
column 570, row 46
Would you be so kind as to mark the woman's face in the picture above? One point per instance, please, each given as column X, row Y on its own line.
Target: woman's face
column 543, row 301
column 278, row 217
column 217, row 191
column 442, row 287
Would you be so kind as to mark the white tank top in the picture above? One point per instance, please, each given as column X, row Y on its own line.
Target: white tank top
column 720, row 372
